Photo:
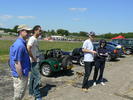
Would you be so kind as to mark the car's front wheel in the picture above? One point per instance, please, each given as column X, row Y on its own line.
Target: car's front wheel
column 108, row 58
column 81, row 61
column 46, row 69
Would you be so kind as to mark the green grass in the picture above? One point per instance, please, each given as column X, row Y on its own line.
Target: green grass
column 4, row 58
column 4, row 47
column 66, row 46
column 44, row 45
column 4, row 50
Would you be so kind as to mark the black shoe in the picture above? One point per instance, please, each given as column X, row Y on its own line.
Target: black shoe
column 40, row 85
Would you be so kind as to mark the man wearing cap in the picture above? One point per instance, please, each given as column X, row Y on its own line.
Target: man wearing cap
column 20, row 63
column 87, row 48
column 33, row 49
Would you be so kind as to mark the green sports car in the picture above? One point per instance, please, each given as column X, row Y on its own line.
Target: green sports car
column 54, row 60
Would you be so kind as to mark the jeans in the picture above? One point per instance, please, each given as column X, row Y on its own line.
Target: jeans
column 35, row 80
column 99, row 65
column 88, row 68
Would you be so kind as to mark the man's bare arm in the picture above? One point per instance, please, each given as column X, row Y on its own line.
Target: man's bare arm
column 30, row 53
column 88, row 51
column 18, row 68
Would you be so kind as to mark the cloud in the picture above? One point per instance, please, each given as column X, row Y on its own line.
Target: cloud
column 26, row 17
column 76, row 19
column 6, row 17
column 1, row 24
column 78, row 9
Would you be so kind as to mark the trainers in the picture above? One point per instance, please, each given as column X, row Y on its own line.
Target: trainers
column 40, row 85
column 94, row 84
column 38, row 98
column 102, row 83
column 84, row 89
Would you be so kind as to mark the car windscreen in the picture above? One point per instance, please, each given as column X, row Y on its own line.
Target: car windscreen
column 122, row 41
column 112, row 43
column 113, row 46
column 125, row 42
column 118, row 41
column 109, row 47
column 130, row 42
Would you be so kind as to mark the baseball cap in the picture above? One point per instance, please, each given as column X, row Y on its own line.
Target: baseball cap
column 91, row 34
column 23, row 27
column 102, row 41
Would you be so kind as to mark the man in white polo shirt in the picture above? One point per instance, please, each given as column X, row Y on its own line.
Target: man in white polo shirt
column 87, row 48
column 33, row 49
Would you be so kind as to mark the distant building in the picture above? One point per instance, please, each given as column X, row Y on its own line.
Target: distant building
column 1, row 31
column 54, row 37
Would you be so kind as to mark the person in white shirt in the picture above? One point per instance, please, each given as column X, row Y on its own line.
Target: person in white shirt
column 87, row 48
column 33, row 49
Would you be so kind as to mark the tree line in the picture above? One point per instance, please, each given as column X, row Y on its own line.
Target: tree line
column 111, row 35
column 64, row 32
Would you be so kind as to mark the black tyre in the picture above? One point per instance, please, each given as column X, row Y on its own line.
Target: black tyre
column 67, row 62
column 46, row 69
column 109, row 58
column 128, row 51
column 81, row 61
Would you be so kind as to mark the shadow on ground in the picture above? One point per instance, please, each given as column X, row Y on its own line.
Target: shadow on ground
column 45, row 90
column 115, row 60
column 90, row 83
column 63, row 73
column 122, row 56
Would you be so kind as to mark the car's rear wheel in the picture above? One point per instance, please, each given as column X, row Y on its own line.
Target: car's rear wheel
column 128, row 51
column 46, row 69
column 67, row 63
column 81, row 61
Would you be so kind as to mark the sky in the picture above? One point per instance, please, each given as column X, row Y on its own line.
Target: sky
column 100, row 16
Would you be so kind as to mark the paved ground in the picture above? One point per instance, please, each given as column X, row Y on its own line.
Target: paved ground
column 67, row 85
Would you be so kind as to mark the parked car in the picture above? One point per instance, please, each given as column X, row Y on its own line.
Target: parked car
column 77, row 54
column 118, row 46
column 127, row 43
column 112, row 51
column 54, row 60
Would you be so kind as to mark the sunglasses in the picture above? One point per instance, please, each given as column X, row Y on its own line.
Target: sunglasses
column 40, row 31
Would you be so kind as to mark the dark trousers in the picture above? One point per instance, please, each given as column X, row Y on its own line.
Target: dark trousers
column 99, row 65
column 88, row 68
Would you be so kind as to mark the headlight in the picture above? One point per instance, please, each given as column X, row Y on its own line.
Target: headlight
column 119, row 46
